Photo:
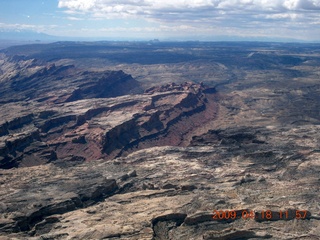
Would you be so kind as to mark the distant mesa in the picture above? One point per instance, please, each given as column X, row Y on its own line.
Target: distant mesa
column 39, row 81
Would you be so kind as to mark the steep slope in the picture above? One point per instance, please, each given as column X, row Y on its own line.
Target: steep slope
column 30, row 79
column 65, row 113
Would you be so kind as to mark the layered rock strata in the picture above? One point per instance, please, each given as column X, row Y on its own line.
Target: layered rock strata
column 72, row 115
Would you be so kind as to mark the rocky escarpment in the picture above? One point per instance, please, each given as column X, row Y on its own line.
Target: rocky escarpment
column 68, row 113
column 108, row 128
column 172, row 116
column 30, row 79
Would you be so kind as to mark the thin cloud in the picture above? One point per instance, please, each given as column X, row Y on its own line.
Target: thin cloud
column 193, row 10
column 75, row 18
column 235, row 14
column 152, row 6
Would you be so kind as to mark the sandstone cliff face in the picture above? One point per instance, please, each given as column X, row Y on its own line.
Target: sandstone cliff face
column 108, row 128
column 69, row 113
column 170, row 118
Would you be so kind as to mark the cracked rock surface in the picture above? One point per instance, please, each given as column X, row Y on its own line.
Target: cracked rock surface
column 88, row 154
column 171, row 194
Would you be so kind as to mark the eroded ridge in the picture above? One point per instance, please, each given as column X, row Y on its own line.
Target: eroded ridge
column 76, row 115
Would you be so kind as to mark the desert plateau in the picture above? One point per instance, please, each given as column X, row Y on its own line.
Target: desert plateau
column 160, row 140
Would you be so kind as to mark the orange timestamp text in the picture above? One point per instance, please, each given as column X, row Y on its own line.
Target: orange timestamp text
column 262, row 215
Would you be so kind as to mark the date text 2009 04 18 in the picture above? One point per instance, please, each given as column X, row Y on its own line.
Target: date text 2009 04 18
column 262, row 215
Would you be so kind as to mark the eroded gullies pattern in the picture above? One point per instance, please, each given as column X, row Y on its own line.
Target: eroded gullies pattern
column 163, row 192
column 251, row 143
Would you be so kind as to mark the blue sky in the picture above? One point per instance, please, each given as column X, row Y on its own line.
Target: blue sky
column 165, row 19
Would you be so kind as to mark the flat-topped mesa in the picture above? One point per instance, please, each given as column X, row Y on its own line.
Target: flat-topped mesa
column 175, row 114
column 107, row 127
column 93, row 114
column 109, row 84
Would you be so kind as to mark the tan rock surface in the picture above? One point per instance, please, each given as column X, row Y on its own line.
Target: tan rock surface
column 158, row 165
column 201, row 180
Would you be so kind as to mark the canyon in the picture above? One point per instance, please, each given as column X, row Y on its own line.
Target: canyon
column 148, row 140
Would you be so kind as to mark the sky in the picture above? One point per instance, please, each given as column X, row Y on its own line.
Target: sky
column 165, row 19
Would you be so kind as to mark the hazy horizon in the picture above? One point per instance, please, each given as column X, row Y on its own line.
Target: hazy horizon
column 178, row 20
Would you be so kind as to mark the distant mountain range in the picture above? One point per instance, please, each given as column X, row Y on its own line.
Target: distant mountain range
column 31, row 36
column 23, row 35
